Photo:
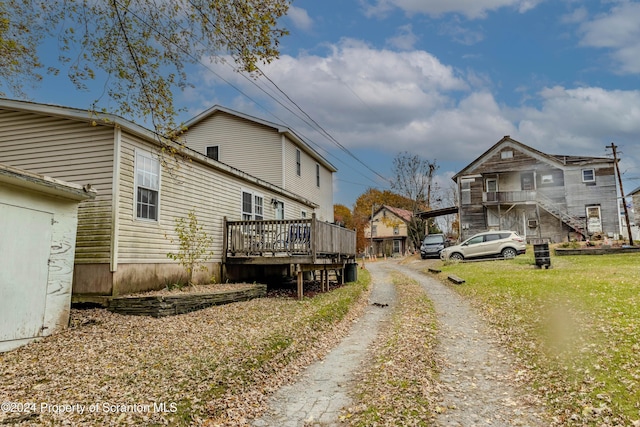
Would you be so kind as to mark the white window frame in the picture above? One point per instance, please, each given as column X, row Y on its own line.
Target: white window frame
column 256, row 210
column 546, row 179
column 593, row 174
column 217, row 147
column 279, row 209
column 317, row 175
column 506, row 154
column 303, row 214
column 154, row 180
column 298, row 162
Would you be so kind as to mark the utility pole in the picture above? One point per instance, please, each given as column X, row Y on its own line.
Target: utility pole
column 624, row 201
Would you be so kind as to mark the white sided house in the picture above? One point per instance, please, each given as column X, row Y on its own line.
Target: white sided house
column 38, row 222
column 124, row 234
column 269, row 151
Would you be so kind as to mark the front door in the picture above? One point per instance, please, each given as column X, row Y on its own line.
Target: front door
column 594, row 221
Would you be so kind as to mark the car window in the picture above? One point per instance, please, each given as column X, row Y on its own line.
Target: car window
column 491, row 237
column 433, row 239
column 505, row 235
column 475, row 240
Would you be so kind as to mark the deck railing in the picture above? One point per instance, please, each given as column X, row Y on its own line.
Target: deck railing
column 288, row 237
column 509, row 196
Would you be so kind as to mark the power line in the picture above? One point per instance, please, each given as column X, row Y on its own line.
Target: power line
column 313, row 123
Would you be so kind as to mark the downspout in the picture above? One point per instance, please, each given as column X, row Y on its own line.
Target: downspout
column 115, row 199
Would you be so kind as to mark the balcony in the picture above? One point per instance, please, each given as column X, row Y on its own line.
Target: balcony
column 497, row 197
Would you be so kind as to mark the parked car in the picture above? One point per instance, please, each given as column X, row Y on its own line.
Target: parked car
column 432, row 245
column 504, row 243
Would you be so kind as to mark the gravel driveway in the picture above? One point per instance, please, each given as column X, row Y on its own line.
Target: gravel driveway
column 478, row 378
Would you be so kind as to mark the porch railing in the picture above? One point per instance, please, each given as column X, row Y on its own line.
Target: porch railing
column 509, row 196
column 288, row 237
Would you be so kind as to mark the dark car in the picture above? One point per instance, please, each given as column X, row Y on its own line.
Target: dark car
column 432, row 245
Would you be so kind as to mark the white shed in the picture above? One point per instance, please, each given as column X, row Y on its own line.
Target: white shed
column 38, row 224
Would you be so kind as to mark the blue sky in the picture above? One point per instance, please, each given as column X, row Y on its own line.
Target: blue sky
column 445, row 79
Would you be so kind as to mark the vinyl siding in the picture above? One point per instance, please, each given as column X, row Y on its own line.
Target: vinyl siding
column 71, row 151
column 184, row 185
column 251, row 147
column 305, row 184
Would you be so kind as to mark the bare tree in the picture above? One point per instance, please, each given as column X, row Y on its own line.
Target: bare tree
column 413, row 179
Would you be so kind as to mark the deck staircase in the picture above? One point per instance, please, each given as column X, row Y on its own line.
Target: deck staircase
column 576, row 223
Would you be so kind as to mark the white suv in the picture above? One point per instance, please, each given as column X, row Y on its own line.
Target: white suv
column 503, row 243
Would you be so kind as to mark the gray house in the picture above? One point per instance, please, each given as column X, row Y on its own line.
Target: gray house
column 559, row 197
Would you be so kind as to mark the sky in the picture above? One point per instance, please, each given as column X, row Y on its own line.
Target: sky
column 367, row 80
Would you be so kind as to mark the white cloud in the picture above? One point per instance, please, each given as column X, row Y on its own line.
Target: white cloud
column 618, row 31
column 388, row 102
column 404, row 40
column 472, row 9
column 300, row 18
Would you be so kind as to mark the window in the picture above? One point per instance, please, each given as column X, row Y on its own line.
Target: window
column 374, row 230
column 317, row 175
column 147, row 185
column 213, row 151
column 252, row 206
column 258, row 208
column 303, row 214
column 547, row 179
column 298, row 164
column 279, row 210
column 588, row 175
column 396, row 230
column 507, row 154
column 247, row 206
column 465, row 191
column 492, row 185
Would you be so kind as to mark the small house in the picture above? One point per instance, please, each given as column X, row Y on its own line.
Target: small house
column 387, row 231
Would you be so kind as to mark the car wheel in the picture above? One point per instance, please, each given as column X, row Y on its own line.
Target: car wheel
column 456, row 256
column 509, row 253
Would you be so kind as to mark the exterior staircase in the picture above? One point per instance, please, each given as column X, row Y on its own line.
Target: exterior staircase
column 576, row 223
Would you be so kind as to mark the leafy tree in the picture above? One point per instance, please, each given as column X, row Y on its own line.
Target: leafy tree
column 342, row 215
column 413, row 179
column 138, row 48
column 194, row 245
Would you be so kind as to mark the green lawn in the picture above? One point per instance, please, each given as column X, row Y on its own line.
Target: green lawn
column 575, row 328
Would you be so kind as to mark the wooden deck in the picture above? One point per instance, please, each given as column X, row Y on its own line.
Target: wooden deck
column 307, row 244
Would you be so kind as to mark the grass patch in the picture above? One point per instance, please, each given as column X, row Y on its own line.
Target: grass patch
column 575, row 327
column 398, row 387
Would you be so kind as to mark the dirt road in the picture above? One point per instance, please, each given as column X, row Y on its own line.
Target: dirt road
column 478, row 376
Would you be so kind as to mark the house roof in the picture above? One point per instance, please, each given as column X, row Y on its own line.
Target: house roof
column 299, row 141
column 403, row 214
column 111, row 120
column 634, row 191
column 555, row 159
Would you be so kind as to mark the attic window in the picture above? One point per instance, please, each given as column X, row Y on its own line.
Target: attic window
column 507, row 154
column 213, row 151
